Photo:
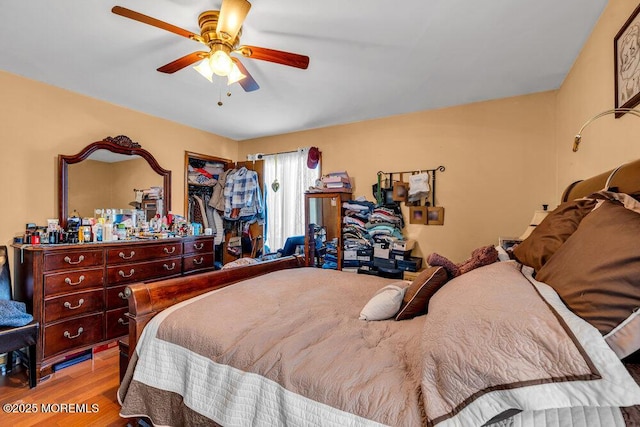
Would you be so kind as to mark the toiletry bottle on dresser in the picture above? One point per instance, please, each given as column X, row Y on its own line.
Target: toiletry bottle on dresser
column 88, row 235
column 97, row 232
column 107, row 233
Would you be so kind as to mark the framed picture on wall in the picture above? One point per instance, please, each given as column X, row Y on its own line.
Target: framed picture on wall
column 435, row 215
column 626, row 50
column 418, row 215
column 400, row 191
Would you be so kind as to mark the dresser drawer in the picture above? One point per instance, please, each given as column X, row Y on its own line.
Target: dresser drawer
column 143, row 253
column 73, row 305
column 196, row 262
column 116, row 298
column 144, row 271
column 74, row 259
column 73, row 281
column 73, row 333
column 198, row 246
column 117, row 323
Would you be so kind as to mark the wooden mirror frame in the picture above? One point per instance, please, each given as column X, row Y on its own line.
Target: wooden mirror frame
column 120, row 144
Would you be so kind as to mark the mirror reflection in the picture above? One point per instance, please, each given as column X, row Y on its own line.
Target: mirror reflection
column 115, row 173
column 107, row 180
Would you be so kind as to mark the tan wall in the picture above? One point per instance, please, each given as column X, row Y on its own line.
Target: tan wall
column 496, row 156
column 503, row 158
column 498, row 165
column 588, row 90
column 40, row 121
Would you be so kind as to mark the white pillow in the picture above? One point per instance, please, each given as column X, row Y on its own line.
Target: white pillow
column 385, row 303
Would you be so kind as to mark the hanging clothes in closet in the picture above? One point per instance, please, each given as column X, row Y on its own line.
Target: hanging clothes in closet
column 242, row 196
column 199, row 209
column 203, row 179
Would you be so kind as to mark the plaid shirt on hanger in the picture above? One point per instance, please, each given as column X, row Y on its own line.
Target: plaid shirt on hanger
column 242, row 194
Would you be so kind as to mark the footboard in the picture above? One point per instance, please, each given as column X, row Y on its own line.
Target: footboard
column 148, row 299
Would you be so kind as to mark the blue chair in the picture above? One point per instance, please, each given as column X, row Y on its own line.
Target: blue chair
column 16, row 338
column 291, row 244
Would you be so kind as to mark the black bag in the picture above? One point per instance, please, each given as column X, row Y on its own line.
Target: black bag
column 384, row 196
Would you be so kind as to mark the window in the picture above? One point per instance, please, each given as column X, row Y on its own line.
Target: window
column 285, row 207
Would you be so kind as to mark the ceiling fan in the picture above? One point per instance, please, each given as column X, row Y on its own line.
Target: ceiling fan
column 220, row 31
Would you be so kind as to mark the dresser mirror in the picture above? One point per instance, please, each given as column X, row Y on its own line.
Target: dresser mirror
column 106, row 175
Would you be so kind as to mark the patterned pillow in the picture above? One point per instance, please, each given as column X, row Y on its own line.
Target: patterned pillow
column 597, row 273
column 417, row 296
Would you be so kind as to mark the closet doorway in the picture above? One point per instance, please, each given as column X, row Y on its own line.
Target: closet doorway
column 200, row 186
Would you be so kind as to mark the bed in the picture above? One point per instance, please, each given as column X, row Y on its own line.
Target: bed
column 286, row 344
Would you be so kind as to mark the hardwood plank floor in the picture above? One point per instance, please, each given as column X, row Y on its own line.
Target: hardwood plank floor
column 92, row 382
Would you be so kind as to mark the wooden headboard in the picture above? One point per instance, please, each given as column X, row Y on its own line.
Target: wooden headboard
column 624, row 179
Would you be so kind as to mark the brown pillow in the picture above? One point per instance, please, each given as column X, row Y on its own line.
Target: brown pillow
column 420, row 292
column 596, row 273
column 552, row 232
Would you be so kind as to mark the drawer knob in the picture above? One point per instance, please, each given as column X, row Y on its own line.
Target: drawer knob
column 68, row 260
column 68, row 305
column 122, row 295
column 198, row 261
column 167, row 251
column 123, row 274
column 166, row 267
column 69, row 282
column 123, row 256
column 198, row 246
column 122, row 321
column 67, row 334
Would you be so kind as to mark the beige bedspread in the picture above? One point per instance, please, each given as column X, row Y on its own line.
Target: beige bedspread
column 287, row 348
column 300, row 328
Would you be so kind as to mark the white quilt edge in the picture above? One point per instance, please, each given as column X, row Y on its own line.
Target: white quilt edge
column 616, row 388
column 226, row 398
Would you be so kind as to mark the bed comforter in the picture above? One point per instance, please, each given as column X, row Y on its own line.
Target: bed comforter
column 287, row 348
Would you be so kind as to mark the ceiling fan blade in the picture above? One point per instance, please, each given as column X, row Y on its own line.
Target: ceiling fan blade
column 277, row 56
column 185, row 61
column 232, row 15
column 248, row 83
column 136, row 16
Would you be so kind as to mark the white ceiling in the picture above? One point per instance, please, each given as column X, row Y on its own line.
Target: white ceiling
column 369, row 59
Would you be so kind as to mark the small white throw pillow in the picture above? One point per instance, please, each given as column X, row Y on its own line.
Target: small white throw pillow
column 385, row 303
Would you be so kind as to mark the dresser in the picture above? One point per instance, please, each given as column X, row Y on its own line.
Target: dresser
column 76, row 292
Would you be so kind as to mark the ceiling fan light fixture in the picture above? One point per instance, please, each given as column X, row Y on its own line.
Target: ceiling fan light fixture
column 235, row 75
column 220, row 31
column 232, row 15
column 220, row 63
column 204, row 68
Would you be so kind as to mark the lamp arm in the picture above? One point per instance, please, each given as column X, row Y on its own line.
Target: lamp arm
column 578, row 138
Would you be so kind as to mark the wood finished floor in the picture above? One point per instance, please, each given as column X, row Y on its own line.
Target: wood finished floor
column 90, row 382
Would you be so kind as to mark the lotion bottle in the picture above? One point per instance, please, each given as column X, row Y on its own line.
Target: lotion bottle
column 107, row 234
